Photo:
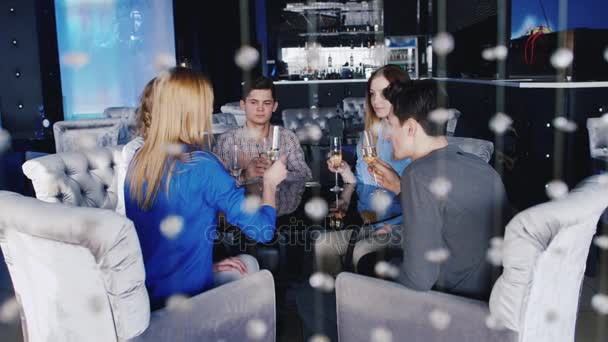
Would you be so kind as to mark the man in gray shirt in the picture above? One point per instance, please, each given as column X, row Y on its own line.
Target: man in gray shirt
column 453, row 202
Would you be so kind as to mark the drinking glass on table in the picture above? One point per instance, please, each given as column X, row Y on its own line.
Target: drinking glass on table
column 335, row 158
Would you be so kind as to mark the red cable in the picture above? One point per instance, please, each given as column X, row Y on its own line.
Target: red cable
column 533, row 43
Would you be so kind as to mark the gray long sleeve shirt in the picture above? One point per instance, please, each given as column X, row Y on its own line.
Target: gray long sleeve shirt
column 461, row 222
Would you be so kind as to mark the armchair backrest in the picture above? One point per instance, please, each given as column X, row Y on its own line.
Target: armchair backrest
column 598, row 137
column 76, row 135
column 84, row 178
column 481, row 148
column 78, row 273
column 544, row 258
column 128, row 119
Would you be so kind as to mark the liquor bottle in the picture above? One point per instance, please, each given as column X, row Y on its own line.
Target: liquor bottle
column 329, row 61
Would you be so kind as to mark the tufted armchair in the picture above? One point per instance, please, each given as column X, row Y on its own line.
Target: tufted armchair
column 534, row 300
column 481, row 148
column 301, row 120
column 128, row 122
column 234, row 108
column 598, row 137
column 78, row 275
column 78, row 135
column 77, row 178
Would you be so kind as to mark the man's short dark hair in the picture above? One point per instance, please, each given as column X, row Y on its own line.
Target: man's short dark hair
column 263, row 83
column 416, row 100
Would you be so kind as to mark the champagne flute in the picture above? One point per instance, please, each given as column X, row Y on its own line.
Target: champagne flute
column 235, row 167
column 271, row 143
column 273, row 148
column 369, row 151
column 335, row 158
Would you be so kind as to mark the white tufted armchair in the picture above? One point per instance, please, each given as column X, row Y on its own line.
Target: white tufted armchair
column 128, row 122
column 535, row 299
column 77, row 178
column 234, row 108
column 78, row 276
column 76, row 135
column 89, row 179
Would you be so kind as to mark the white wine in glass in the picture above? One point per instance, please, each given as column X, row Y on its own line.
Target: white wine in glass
column 369, row 151
column 369, row 154
column 335, row 158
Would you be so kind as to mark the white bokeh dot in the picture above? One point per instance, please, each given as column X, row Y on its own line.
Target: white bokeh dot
column 386, row 270
column 440, row 319
column 601, row 241
column 246, row 57
column 440, row 187
column 437, row 255
column 495, row 252
column 441, row 115
column 563, row 124
column 319, row 338
column 5, row 140
column 489, row 54
column 322, row 281
column 500, row 122
column 256, row 329
column 179, row 303
column 173, row 149
column 556, row 189
column 501, row 52
column 171, row 226
column 562, row 58
column 381, row 334
column 316, row 208
column 443, row 43
column 599, row 303
column 86, row 141
column 46, row 123
column 314, row 132
column 494, row 323
column 381, row 201
column 75, row 60
column 252, row 204
column 9, row 311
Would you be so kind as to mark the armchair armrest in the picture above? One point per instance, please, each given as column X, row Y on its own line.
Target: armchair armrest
column 220, row 314
column 365, row 304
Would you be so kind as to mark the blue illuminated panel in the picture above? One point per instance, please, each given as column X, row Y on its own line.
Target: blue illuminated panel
column 529, row 15
column 109, row 49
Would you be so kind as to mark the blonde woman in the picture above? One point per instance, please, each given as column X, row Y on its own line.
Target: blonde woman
column 377, row 109
column 173, row 197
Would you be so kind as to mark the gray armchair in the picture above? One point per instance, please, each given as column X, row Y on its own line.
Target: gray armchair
column 78, row 135
column 234, row 108
column 534, row 300
column 481, row 148
column 128, row 122
column 78, row 275
column 77, row 178
column 598, row 138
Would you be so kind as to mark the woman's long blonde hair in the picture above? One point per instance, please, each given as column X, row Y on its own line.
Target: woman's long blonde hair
column 182, row 103
column 392, row 73
column 143, row 114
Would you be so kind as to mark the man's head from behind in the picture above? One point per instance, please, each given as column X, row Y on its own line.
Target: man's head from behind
column 411, row 126
column 259, row 101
